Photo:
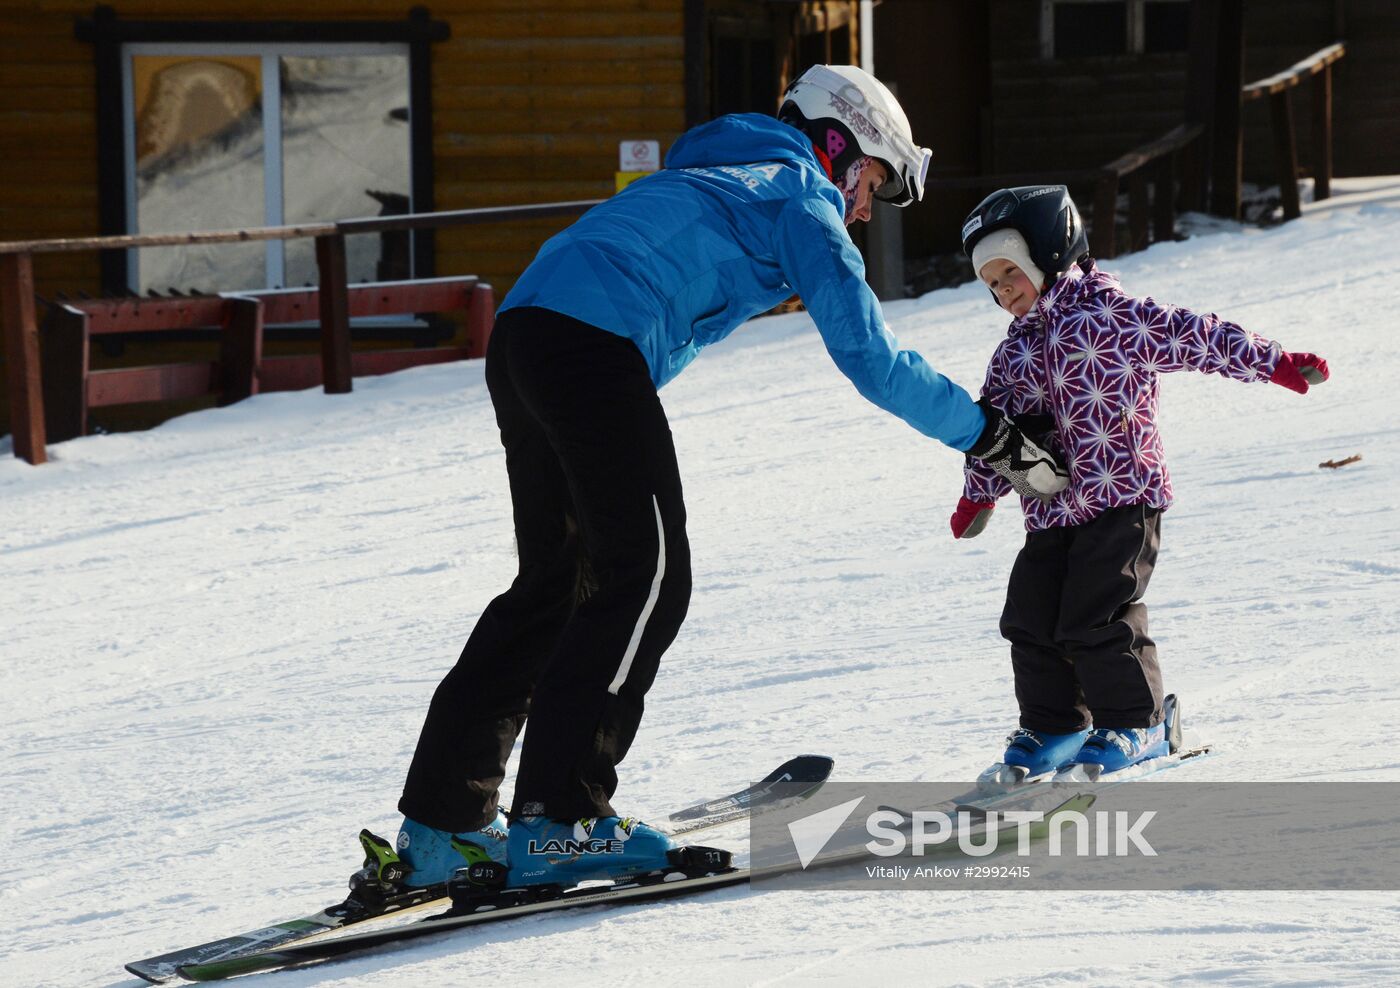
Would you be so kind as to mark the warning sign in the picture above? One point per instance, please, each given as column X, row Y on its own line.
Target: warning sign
column 639, row 156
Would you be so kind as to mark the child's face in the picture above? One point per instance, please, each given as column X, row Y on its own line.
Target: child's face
column 1013, row 289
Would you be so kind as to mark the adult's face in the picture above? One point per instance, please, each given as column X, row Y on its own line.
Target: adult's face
column 871, row 178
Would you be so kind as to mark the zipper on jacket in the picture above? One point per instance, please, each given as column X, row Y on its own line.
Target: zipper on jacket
column 1128, row 435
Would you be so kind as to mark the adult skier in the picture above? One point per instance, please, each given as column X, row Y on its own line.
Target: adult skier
column 748, row 210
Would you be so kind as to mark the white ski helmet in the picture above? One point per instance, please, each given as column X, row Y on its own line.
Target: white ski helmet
column 847, row 113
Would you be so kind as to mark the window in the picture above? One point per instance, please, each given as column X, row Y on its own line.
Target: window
column 229, row 124
column 262, row 135
column 1072, row 29
column 1165, row 26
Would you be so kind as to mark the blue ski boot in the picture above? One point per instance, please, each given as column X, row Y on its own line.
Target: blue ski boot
column 1107, row 750
column 1030, row 756
column 547, row 852
column 430, row 857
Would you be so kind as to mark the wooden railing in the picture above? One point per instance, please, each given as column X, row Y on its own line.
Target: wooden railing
column 331, row 301
column 71, row 388
column 1158, row 163
column 1278, row 90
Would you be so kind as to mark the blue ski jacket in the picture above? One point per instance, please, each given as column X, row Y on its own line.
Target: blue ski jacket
column 741, row 217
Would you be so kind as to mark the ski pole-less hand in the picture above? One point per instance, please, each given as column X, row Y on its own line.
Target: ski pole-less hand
column 1030, row 470
column 1298, row 371
column 970, row 518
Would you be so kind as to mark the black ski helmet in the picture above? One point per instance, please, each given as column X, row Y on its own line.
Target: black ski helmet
column 1044, row 216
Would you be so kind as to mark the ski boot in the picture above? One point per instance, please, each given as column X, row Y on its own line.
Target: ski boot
column 423, row 857
column 548, row 857
column 1107, row 751
column 1030, row 757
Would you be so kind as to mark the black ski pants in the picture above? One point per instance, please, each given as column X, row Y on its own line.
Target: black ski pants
column 1077, row 626
column 602, row 588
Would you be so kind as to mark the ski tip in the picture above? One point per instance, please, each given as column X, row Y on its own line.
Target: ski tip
column 147, row 976
column 805, row 767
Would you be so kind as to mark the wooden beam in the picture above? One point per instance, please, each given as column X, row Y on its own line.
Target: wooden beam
column 374, row 299
column 1201, row 82
column 1227, row 141
column 368, row 363
column 1164, row 199
column 1322, row 135
column 162, row 382
column 1173, row 140
column 335, row 314
column 22, row 373
column 132, row 315
column 65, row 371
column 1285, row 153
column 481, row 317
column 1137, row 210
column 1104, row 241
column 240, row 350
column 1319, row 61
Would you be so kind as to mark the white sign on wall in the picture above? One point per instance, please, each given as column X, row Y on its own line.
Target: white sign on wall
column 639, row 156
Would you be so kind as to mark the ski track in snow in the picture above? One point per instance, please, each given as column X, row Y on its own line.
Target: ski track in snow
column 221, row 637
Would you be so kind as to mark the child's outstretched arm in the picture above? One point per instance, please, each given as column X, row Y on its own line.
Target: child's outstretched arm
column 1169, row 338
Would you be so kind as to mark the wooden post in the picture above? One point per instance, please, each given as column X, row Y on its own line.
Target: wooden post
column 1164, row 199
column 1285, row 153
column 1104, row 242
column 1201, row 81
column 22, row 372
column 1137, row 210
column 1322, row 134
column 1227, row 141
column 240, row 350
column 65, row 372
column 334, row 298
column 1193, row 192
column 481, row 316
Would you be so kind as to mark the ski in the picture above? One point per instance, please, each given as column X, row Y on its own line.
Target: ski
column 480, row 911
column 1060, row 785
column 796, row 779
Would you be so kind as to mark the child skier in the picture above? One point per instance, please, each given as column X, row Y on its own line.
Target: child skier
column 1079, row 371
column 748, row 210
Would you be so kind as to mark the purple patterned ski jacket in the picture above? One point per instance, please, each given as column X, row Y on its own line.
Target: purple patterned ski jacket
column 1090, row 355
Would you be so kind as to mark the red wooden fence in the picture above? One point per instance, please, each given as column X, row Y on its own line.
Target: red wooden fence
column 241, row 370
column 71, row 388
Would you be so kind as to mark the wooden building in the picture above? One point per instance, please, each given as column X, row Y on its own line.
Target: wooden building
column 160, row 115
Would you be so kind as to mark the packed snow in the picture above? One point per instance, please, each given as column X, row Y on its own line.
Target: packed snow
column 220, row 638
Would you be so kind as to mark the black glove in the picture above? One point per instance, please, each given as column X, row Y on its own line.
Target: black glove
column 1038, row 427
column 1031, row 470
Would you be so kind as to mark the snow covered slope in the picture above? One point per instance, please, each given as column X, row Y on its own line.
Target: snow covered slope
column 219, row 639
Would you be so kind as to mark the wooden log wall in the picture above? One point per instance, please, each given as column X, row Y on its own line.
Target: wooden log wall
column 1073, row 113
column 530, row 101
